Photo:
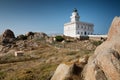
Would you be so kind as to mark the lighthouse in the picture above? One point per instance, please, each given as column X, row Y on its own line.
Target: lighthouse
column 77, row 28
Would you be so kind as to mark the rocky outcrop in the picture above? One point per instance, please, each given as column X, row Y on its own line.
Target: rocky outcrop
column 36, row 35
column 21, row 37
column 105, row 63
column 8, row 36
column 32, row 35
column 29, row 34
column 67, row 71
column 70, row 70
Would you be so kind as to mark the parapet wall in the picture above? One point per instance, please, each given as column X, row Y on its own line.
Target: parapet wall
column 93, row 37
column 104, row 36
column 97, row 37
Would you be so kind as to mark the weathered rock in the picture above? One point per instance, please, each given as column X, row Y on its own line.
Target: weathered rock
column 1, row 47
column 21, row 37
column 83, row 60
column 50, row 40
column 40, row 35
column 0, row 38
column 67, row 71
column 105, row 63
column 70, row 70
column 32, row 35
column 8, row 36
column 36, row 35
column 19, row 53
column 29, row 34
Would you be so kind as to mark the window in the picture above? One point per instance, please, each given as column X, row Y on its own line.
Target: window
column 81, row 26
column 78, row 26
column 90, row 28
column 85, row 33
column 81, row 33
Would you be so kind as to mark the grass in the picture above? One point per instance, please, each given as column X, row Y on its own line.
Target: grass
column 12, row 59
column 40, row 72
column 72, row 53
column 40, row 63
column 97, row 43
column 2, row 75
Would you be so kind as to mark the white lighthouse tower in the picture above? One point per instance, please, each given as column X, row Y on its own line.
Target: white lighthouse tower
column 75, row 16
column 76, row 28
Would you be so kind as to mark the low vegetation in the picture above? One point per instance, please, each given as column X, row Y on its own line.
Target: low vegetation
column 21, row 37
column 97, row 43
column 59, row 38
column 41, row 59
column 2, row 75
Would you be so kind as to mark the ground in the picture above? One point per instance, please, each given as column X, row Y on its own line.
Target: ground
column 40, row 61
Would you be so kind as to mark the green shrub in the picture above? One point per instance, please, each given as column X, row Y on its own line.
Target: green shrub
column 84, row 37
column 21, row 37
column 2, row 75
column 96, row 43
column 59, row 38
column 71, row 53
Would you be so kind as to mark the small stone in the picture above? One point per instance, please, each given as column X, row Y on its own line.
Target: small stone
column 19, row 53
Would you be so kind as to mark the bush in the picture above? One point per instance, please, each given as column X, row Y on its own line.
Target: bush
column 2, row 75
column 96, row 43
column 59, row 38
column 71, row 53
column 21, row 37
column 84, row 37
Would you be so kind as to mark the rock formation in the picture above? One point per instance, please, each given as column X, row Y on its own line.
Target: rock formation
column 8, row 36
column 70, row 70
column 32, row 35
column 40, row 35
column 0, row 38
column 36, row 35
column 105, row 63
column 67, row 71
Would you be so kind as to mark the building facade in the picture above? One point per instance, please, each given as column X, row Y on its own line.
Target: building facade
column 76, row 28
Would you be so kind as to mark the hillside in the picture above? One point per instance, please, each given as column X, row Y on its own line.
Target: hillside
column 41, row 57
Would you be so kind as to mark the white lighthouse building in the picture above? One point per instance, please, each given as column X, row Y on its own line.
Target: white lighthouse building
column 76, row 28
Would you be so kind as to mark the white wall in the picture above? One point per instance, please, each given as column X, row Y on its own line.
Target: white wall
column 69, row 30
column 72, row 28
column 82, row 28
column 105, row 36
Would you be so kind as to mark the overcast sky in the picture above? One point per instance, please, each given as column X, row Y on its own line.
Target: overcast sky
column 49, row 16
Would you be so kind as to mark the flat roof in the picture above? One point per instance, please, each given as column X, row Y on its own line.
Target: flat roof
column 79, row 22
